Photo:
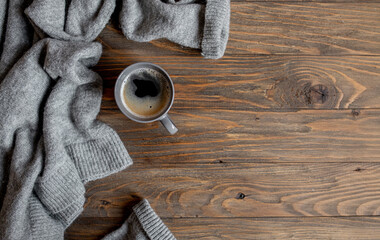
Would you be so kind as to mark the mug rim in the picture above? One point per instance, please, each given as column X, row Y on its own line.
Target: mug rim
column 118, row 86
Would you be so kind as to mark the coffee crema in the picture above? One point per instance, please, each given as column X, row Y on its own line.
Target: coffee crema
column 146, row 92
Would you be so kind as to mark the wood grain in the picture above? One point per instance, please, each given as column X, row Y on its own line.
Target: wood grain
column 280, row 28
column 231, row 136
column 280, row 139
column 265, row 82
column 301, row 228
column 240, row 190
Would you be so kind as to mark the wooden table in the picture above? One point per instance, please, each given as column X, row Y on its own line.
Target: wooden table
column 280, row 139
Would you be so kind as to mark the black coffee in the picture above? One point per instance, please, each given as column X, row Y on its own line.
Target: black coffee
column 145, row 88
column 146, row 92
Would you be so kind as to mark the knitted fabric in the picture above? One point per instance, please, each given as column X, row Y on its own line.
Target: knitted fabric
column 51, row 143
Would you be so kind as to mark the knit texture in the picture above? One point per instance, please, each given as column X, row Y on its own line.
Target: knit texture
column 76, row 20
column 216, row 28
column 142, row 224
column 16, row 40
column 51, row 143
column 191, row 23
column 51, row 138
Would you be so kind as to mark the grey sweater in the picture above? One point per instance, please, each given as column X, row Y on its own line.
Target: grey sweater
column 51, row 144
column 186, row 22
column 197, row 24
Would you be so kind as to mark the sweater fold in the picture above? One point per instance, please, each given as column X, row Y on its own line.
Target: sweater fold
column 196, row 24
column 51, row 142
column 53, row 96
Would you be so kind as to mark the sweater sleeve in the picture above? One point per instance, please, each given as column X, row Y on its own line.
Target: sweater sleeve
column 142, row 224
column 51, row 93
column 78, row 148
column 197, row 24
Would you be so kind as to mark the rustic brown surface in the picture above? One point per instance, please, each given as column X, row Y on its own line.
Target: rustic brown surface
column 281, row 28
column 249, row 136
column 248, row 228
column 241, row 190
column 280, row 139
column 261, row 82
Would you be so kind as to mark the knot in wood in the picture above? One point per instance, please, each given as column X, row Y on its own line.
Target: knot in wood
column 240, row 196
column 317, row 94
column 298, row 90
column 355, row 112
column 104, row 202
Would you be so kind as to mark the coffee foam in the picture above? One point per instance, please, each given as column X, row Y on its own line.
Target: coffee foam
column 148, row 106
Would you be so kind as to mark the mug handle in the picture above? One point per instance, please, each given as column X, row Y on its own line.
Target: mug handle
column 168, row 124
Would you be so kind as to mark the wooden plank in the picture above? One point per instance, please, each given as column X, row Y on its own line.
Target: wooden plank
column 280, row 28
column 244, row 228
column 262, row 82
column 247, row 162
column 307, row 28
column 231, row 136
column 240, row 190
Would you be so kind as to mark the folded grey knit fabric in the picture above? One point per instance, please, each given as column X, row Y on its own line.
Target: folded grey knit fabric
column 191, row 23
column 142, row 224
column 50, row 141
column 50, row 138
column 75, row 20
column 16, row 33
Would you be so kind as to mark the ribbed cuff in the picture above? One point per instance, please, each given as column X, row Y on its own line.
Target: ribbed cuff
column 62, row 193
column 69, row 214
column 100, row 157
column 216, row 29
column 151, row 223
column 42, row 225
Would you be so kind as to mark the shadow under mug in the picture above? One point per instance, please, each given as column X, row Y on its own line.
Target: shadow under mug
column 163, row 117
